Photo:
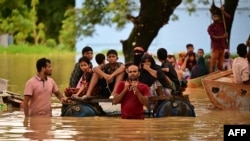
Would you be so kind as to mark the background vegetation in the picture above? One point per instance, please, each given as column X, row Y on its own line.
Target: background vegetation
column 58, row 23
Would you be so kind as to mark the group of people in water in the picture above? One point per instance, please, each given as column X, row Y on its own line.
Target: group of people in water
column 132, row 83
column 140, row 79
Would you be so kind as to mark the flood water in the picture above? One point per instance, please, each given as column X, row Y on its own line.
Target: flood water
column 207, row 125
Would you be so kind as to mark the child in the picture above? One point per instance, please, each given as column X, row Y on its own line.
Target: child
column 107, row 76
column 180, row 59
column 83, row 84
column 228, row 61
column 100, row 59
column 169, row 71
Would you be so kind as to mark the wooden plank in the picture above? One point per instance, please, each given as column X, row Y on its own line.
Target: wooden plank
column 218, row 74
column 91, row 99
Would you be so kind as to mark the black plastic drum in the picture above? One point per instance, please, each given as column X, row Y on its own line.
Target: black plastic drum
column 78, row 110
column 175, row 107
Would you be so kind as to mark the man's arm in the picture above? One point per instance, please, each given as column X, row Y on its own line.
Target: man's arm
column 26, row 102
column 143, row 99
column 118, row 97
column 59, row 96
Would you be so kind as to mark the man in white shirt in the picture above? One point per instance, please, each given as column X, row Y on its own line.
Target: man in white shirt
column 240, row 66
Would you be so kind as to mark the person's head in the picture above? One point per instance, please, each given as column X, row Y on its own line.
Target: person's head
column 138, row 53
column 112, row 56
column 190, row 47
column 191, row 56
column 43, row 65
column 242, row 50
column 182, row 55
column 162, row 54
column 84, row 63
column 147, row 59
column 216, row 17
column 100, row 58
column 133, row 73
column 88, row 52
column 215, row 12
column 200, row 52
column 171, row 59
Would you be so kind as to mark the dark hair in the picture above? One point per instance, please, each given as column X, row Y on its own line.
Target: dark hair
column 201, row 50
column 86, row 49
column 42, row 63
column 188, row 45
column 242, row 50
column 112, row 51
column 128, row 64
column 188, row 65
column 84, row 59
column 162, row 54
column 149, row 57
column 99, row 58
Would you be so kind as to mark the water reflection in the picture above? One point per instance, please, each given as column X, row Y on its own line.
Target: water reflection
column 207, row 125
column 37, row 128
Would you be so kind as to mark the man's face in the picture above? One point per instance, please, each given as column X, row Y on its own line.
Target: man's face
column 48, row 69
column 216, row 18
column 200, row 53
column 190, row 49
column 171, row 60
column 133, row 73
column 88, row 54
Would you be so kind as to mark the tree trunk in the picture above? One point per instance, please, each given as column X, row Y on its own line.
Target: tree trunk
column 152, row 16
column 230, row 7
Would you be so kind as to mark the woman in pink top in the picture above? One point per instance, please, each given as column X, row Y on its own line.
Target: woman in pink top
column 38, row 91
column 83, row 84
